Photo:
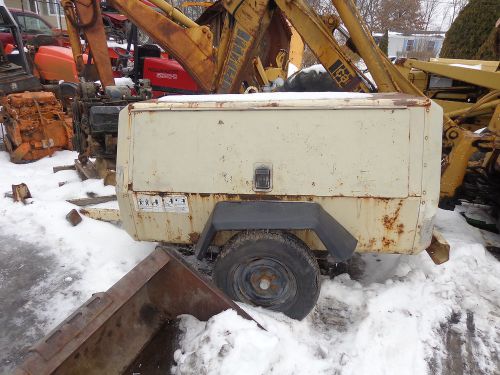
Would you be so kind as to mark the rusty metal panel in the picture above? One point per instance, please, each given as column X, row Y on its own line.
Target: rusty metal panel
column 431, row 175
column 348, row 152
column 332, row 100
column 379, row 225
column 103, row 214
column 384, row 212
column 416, row 145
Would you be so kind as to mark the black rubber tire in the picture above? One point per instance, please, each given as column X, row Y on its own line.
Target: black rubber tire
column 278, row 262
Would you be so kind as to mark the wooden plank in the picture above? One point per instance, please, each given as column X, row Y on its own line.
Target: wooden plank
column 93, row 200
column 64, row 168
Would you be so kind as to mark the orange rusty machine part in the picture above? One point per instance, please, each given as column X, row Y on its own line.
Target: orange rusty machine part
column 35, row 126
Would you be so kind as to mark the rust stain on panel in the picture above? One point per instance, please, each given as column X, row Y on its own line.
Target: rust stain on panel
column 390, row 220
column 401, row 228
column 386, row 236
column 194, row 237
column 387, row 242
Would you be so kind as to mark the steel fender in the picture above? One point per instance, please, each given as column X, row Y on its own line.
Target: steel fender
column 262, row 215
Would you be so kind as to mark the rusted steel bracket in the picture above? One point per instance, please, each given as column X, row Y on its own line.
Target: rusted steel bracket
column 111, row 329
column 439, row 249
column 103, row 214
column 73, row 217
column 20, row 193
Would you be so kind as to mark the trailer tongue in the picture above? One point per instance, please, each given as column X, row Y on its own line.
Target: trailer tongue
column 132, row 325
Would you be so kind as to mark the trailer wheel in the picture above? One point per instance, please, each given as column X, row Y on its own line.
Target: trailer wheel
column 274, row 270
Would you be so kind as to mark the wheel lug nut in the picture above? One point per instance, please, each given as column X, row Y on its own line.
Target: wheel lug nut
column 264, row 284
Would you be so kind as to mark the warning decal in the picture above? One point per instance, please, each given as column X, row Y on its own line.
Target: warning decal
column 156, row 203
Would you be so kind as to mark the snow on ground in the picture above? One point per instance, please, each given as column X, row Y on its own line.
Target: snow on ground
column 70, row 263
column 403, row 315
column 394, row 315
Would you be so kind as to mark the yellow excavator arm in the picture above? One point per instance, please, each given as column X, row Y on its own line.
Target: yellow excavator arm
column 191, row 46
column 214, row 68
column 318, row 37
column 85, row 15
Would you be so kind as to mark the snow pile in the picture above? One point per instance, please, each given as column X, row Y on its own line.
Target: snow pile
column 229, row 344
column 404, row 315
column 114, row 44
column 122, row 81
column 292, row 69
column 89, row 257
column 318, row 68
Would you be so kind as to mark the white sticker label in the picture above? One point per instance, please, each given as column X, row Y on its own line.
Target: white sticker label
column 156, row 203
column 176, row 203
column 152, row 203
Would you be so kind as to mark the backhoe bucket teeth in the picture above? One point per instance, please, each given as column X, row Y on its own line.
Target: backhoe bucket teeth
column 131, row 325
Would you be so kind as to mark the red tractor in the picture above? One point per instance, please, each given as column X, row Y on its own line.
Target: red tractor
column 52, row 61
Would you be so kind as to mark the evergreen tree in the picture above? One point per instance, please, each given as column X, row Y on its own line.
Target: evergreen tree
column 489, row 49
column 384, row 43
column 470, row 29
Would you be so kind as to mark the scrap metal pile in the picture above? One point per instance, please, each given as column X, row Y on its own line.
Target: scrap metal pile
column 35, row 124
